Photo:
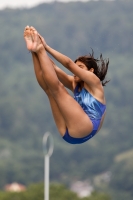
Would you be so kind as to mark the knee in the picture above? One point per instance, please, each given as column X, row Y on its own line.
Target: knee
column 59, row 88
column 44, row 87
column 47, row 91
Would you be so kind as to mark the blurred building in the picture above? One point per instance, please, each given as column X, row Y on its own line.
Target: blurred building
column 83, row 189
column 15, row 187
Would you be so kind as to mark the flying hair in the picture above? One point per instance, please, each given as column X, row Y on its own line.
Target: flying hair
column 100, row 65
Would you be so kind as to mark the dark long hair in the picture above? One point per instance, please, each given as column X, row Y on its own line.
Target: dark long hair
column 100, row 66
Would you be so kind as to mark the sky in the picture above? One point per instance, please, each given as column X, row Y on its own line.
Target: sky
column 26, row 3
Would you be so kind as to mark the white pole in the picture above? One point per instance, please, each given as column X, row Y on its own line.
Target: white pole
column 46, row 177
column 47, row 153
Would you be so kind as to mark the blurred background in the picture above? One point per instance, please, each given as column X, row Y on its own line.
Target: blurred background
column 101, row 168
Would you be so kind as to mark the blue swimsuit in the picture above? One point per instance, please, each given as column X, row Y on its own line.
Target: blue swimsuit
column 93, row 108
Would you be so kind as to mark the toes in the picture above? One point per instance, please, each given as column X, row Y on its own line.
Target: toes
column 32, row 29
column 26, row 28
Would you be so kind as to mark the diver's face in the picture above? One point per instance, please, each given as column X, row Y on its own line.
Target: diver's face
column 81, row 65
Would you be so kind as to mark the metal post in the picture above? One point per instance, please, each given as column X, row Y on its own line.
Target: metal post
column 48, row 150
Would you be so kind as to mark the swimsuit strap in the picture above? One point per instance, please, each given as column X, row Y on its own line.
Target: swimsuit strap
column 76, row 88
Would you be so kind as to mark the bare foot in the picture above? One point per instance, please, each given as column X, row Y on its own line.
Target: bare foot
column 28, row 38
column 37, row 43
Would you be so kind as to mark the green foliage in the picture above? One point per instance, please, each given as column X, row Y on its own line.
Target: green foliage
column 98, row 196
column 123, row 169
column 36, row 192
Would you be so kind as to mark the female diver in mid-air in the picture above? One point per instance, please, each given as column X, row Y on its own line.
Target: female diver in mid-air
column 78, row 119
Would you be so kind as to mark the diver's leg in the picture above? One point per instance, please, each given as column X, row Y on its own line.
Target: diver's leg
column 59, row 120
